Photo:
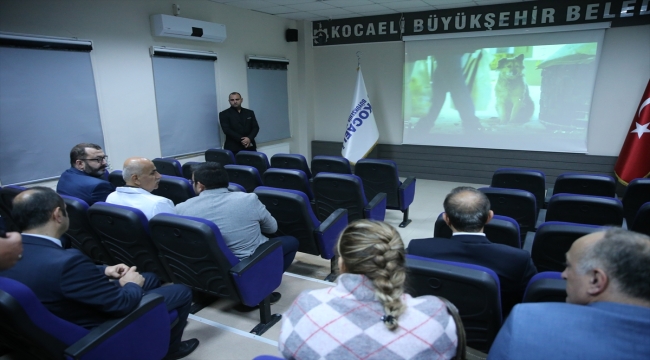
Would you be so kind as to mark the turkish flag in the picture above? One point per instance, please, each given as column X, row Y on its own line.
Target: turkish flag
column 634, row 160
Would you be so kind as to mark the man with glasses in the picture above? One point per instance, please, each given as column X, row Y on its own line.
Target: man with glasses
column 85, row 177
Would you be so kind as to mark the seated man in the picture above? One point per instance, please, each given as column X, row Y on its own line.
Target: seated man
column 240, row 216
column 84, row 179
column 608, row 315
column 71, row 286
column 467, row 210
column 141, row 179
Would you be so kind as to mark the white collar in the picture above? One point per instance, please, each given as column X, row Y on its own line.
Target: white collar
column 54, row 240
column 468, row 233
column 131, row 190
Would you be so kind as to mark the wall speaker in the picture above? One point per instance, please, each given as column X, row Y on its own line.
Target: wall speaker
column 291, row 35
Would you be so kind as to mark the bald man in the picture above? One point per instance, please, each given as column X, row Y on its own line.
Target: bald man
column 141, row 179
column 608, row 310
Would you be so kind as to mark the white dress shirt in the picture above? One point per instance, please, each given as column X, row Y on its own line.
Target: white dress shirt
column 142, row 200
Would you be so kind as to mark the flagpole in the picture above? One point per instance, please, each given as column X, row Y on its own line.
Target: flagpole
column 358, row 60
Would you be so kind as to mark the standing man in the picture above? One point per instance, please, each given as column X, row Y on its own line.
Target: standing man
column 239, row 125
column 84, row 179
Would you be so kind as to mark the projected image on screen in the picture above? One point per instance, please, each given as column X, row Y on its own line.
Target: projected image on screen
column 525, row 97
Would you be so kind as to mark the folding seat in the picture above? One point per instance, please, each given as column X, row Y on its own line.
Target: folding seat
column 188, row 169
column 343, row 191
column 124, row 231
column 291, row 161
column 584, row 184
column 7, row 195
column 517, row 204
column 221, row 156
column 583, row 209
column 168, row 166
column 116, row 179
column 331, row 164
column 81, row 234
column 533, row 181
column 246, row 176
column 636, row 194
column 501, row 230
column 547, row 286
column 549, row 244
column 288, row 179
column 175, row 188
column 641, row 223
column 292, row 210
column 473, row 289
column 33, row 332
column 195, row 254
column 255, row 159
column 235, row 187
column 381, row 176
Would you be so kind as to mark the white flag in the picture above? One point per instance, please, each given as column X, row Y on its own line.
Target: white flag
column 361, row 134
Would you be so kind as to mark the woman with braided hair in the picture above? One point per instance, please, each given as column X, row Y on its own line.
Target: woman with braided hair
column 367, row 315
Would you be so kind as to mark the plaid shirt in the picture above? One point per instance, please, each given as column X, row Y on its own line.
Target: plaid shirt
column 344, row 322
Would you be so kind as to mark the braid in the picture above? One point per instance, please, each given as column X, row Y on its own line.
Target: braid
column 376, row 250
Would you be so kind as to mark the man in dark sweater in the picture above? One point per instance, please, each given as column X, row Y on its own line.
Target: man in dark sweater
column 239, row 125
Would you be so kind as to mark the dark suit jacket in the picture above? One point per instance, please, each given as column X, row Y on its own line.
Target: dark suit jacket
column 70, row 285
column 237, row 125
column 88, row 188
column 513, row 266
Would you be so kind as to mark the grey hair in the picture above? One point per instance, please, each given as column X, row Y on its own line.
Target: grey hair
column 132, row 168
column 625, row 257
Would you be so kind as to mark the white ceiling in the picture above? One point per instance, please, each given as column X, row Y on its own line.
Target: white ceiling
column 314, row 10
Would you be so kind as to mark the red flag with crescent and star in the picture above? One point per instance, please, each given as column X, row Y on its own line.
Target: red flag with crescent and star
column 634, row 160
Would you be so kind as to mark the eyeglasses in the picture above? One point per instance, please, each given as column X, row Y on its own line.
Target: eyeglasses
column 99, row 159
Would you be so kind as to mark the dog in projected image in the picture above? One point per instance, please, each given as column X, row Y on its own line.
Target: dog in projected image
column 513, row 101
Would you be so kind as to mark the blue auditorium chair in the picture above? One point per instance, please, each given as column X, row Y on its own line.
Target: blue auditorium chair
column 188, row 169
column 473, row 289
column 501, row 230
column 124, row 231
column 221, row 156
column 547, row 286
column 33, row 332
column 343, row 191
column 246, row 176
column 195, row 254
column 116, row 179
column 7, row 195
column 520, row 205
column 255, row 159
column 235, row 187
column 81, row 234
column 532, row 181
column 636, row 194
column 292, row 210
column 641, row 223
column 291, row 161
column 381, row 176
column 288, row 179
column 331, row 164
column 583, row 209
column 549, row 244
column 583, row 184
column 168, row 166
column 175, row 188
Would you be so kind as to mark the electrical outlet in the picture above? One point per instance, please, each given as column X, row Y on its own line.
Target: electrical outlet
column 177, row 9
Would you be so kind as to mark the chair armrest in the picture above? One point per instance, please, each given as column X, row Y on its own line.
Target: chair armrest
column 258, row 275
column 406, row 193
column 549, row 193
column 376, row 208
column 541, row 218
column 329, row 231
column 151, row 305
column 528, row 242
column 259, row 254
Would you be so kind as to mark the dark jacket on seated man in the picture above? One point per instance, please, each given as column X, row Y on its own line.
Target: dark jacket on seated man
column 83, row 179
column 467, row 210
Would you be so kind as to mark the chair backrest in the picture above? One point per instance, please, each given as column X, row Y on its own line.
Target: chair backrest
column 339, row 191
column 379, row 176
column 641, row 223
column 292, row 210
column 246, row 176
column 585, row 209
column 125, row 233
column 116, row 179
column 168, row 166
column 331, row 164
column 7, row 195
column 553, row 240
column 501, row 230
column 175, row 188
column 636, row 194
column 473, row 289
column 585, row 184
column 517, row 204
column 188, row 169
column 81, row 234
column 255, row 159
column 288, row 179
column 547, row 286
column 221, row 156
column 533, row 181
column 291, row 161
column 235, row 187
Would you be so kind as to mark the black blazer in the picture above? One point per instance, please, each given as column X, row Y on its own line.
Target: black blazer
column 513, row 266
column 237, row 125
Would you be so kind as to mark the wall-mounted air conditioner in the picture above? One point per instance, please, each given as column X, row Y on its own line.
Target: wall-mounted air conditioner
column 190, row 29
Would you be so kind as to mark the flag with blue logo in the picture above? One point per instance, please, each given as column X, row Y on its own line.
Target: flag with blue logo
column 361, row 134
